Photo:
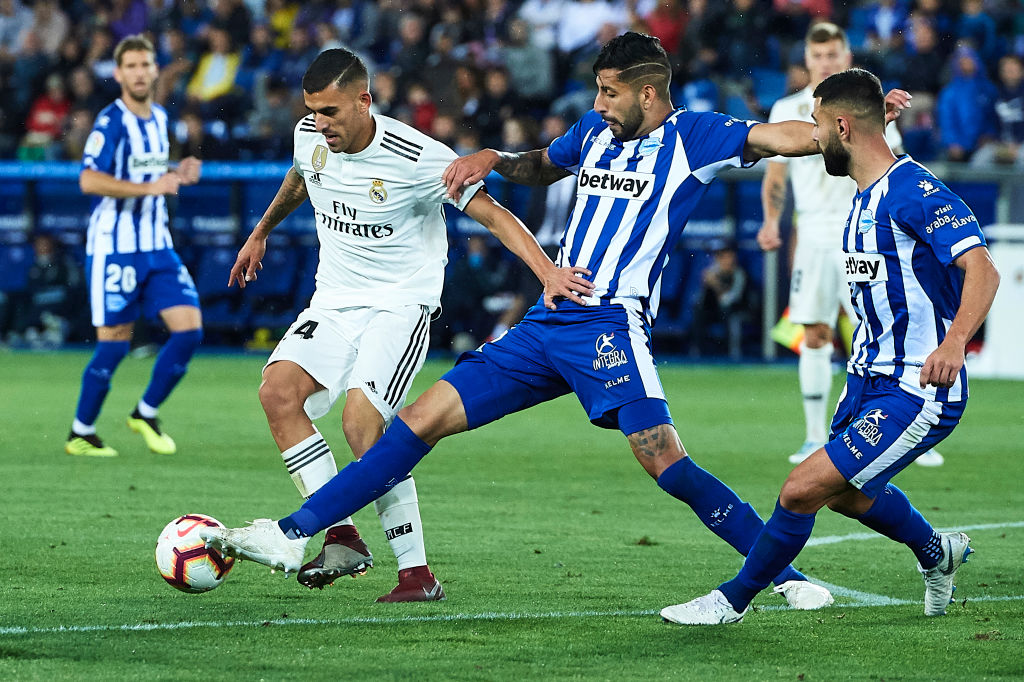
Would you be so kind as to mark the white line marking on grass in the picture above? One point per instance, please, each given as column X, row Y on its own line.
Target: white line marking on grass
column 377, row 620
column 834, row 539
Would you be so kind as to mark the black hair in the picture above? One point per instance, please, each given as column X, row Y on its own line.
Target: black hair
column 855, row 91
column 338, row 66
column 637, row 57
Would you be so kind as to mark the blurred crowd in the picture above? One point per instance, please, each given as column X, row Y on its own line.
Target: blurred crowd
column 479, row 73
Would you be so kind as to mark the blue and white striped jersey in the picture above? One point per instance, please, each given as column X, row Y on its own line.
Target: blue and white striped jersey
column 129, row 148
column 633, row 198
column 901, row 239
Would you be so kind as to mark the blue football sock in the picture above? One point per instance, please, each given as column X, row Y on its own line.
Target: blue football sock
column 784, row 535
column 893, row 516
column 96, row 378
column 382, row 467
column 171, row 365
column 718, row 508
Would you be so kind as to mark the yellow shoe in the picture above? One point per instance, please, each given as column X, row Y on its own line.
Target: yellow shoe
column 156, row 440
column 88, row 446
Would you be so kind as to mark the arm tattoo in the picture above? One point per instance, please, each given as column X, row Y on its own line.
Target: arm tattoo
column 777, row 195
column 650, row 442
column 529, row 168
column 289, row 197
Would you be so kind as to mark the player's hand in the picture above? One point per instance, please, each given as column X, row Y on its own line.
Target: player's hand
column 167, row 183
column 895, row 102
column 568, row 283
column 248, row 263
column 466, row 170
column 942, row 366
column 768, row 236
column 189, row 170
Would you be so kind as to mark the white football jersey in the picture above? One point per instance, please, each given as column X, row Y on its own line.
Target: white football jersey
column 379, row 216
column 821, row 201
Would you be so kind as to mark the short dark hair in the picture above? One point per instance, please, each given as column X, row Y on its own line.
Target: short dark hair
column 132, row 43
column 338, row 66
column 637, row 57
column 856, row 91
column 826, row 32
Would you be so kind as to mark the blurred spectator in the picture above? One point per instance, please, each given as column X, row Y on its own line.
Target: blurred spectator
column 28, row 73
column 53, row 296
column 312, row 13
column 439, row 74
column 698, row 53
column 420, row 107
column 100, row 57
column 467, row 88
column 726, row 301
column 46, row 117
column 384, row 89
column 886, row 23
column 965, row 107
column 496, row 105
column 297, row 58
column 280, row 15
column 51, row 25
column 531, row 69
column 795, row 16
column 356, row 23
column 544, row 18
column 741, row 40
column 235, row 17
column 260, row 55
column 465, row 319
column 276, row 109
column 83, row 91
column 582, row 21
column 69, row 55
column 128, row 17
column 922, row 62
column 78, row 126
column 797, row 78
column 189, row 16
column 176, row 61
column 445, row 128
column 212, row 86
column 667, row 22
column 978, row 27
column 936, row 13
column 1008, row 147
column 192, row 139
column 408, row 52
column 15, row 19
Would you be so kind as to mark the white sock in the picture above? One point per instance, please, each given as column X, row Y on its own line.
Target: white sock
column 147, row 411
column 83, row 429
column 310, row 463
column 399, row 513
column 815, row 368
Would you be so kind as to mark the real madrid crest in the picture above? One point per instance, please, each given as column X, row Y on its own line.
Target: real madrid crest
column 378, row 194
column 319, row 159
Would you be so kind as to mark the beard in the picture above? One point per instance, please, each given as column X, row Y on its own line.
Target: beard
column 141, row 95
column 837, row 158
column 631, row 123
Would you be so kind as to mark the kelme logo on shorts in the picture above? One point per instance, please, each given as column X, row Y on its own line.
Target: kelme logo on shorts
column 615, row 184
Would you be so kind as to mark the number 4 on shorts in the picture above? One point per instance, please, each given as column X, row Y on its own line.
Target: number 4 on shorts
column 305, row 330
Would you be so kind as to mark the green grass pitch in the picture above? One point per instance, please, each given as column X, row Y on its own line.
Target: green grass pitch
column 555, row 548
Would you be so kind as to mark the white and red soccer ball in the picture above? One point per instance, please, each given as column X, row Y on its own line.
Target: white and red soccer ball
column 183, row 559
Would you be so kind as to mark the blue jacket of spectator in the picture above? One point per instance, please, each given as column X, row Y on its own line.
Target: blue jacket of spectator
column 965, row 110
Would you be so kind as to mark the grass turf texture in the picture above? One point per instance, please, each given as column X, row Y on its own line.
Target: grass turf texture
column 554, row 547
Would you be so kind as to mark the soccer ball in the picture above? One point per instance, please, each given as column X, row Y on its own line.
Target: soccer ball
column 183, row 559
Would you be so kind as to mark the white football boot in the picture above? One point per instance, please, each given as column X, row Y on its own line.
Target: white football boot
column 711, row 609
column 261, row 541
column 932, row 458
column 804, row 595
column 806, row 450
column 938, row 581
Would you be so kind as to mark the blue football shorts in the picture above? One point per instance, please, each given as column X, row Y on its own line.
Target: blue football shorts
column 601, row 353
column 879, row 429
column 122, row 284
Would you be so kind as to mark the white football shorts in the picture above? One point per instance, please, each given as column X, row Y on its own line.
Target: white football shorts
column 818, row 287
column 373, row 349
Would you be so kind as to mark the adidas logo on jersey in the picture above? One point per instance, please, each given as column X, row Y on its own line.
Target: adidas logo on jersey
column 615, row 184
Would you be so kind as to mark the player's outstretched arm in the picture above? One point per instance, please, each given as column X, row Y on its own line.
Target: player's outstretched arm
column 289, row 196
column 773, row 201
column 981, row 279
column 103, row 184
column 558, row 282
column 526, row 168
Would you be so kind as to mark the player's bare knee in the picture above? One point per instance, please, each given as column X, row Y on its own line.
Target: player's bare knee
column 277, row 398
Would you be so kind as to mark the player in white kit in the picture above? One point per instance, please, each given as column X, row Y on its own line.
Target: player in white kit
column 376, row 190
column 822, row 204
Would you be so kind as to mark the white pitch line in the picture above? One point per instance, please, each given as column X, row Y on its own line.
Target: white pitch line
column 862, row 599
column 834, row 539
column 376, row 620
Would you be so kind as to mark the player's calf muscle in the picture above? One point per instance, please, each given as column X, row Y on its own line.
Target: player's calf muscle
column 656, row 448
